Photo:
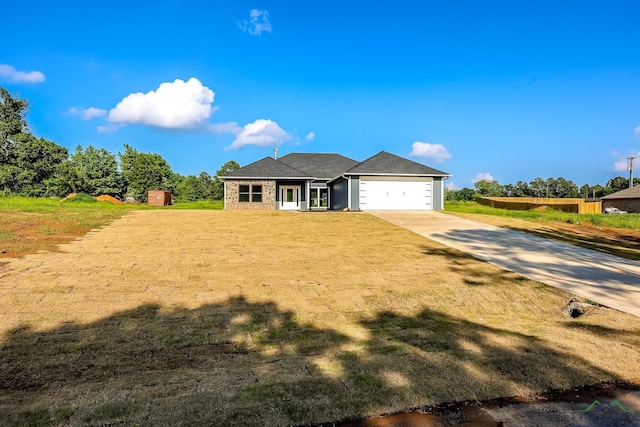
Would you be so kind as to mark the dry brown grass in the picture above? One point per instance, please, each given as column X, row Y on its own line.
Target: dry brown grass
column 234, row 318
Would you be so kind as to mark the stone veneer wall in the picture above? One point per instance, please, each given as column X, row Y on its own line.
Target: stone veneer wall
column 232, row 193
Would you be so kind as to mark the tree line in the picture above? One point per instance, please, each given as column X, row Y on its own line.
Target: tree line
column 539, row 187
column 37, row 167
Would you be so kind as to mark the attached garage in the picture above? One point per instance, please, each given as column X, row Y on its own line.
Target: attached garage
column 395, row 193
column 391, row 183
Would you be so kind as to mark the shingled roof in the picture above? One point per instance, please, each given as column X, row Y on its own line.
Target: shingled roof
column 385, row 163
column 330, row 166
column 267, row 168
column 629, row 193
column 320, row 165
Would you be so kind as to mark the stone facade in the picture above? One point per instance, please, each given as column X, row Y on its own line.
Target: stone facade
column 232, row 195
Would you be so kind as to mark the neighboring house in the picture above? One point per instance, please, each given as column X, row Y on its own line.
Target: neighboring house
column 625, row 200
column 313, row 181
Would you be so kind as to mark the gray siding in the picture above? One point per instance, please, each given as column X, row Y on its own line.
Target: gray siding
column 339, row 194
column 437, row 189
column 355, row 193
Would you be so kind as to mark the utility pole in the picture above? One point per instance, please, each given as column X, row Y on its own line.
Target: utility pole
column 631, row 159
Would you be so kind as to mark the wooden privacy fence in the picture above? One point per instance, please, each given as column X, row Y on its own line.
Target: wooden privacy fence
column 580, row 206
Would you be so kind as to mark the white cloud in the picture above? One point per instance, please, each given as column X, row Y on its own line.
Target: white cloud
column 262, row 133
column 257, row 24
column 15, row 76
column 621, row 163
column 87, row 113
column 452, row 186
column 310, row 136
column 174, row 105
column 482, row 176
column 637, row 131
column 229, row 127
column 108, row 129
column 436, row 152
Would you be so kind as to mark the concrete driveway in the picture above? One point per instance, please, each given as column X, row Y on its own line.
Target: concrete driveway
column 605, row 279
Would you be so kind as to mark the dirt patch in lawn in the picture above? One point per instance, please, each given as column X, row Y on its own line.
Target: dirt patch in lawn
column 275, row 318
column 23, row 233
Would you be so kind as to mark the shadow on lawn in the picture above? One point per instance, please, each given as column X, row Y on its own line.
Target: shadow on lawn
column 244, row 363
column 474, row 273
column 622, row 247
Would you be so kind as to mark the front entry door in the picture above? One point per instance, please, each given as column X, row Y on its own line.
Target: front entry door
column 290, row 197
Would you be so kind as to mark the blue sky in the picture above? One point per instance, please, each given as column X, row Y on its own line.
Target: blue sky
column 505, row 89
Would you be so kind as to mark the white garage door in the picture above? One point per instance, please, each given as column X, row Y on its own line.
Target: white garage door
column 390, row 193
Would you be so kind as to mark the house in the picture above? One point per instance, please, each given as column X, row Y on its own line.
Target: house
column 318, row 181
column 625, row 200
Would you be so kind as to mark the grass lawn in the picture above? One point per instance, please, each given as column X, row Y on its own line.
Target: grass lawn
column 191, row 317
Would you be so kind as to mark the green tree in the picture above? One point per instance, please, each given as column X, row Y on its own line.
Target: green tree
column 538, row 187
column 31, row 165
column 191, row 189
column 488, row 188
column 585, row 191
column 207, row 184
column 618, row 183
column 92, row 171
column 522, row 189
column 465, row 194
column 550, row 187
column 12, row 122
column 601, row 191
column 142, row 172
column 509, row 190
column 562, row 188
column 218, row 187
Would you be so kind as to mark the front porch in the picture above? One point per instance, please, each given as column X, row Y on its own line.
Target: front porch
column 302, row 195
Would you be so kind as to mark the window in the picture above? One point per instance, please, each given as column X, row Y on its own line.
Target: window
column 319, row 197
column 243, row 193
column 256, row 193
column 324, row 197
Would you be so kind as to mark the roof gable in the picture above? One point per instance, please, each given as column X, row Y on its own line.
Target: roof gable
column 385, row 163
column 319, row 165
column 267, row 168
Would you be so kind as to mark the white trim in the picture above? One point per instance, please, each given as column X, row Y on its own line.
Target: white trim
column 349, row 193
column 224, row 195
column 287, row 206
column 395, row 193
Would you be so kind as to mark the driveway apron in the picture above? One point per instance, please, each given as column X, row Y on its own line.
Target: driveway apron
column 599, row 277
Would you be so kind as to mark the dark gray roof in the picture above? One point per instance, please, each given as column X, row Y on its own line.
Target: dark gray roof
column 267, row 168
column 629, row 193
column 319, row 165
column 385, row 163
